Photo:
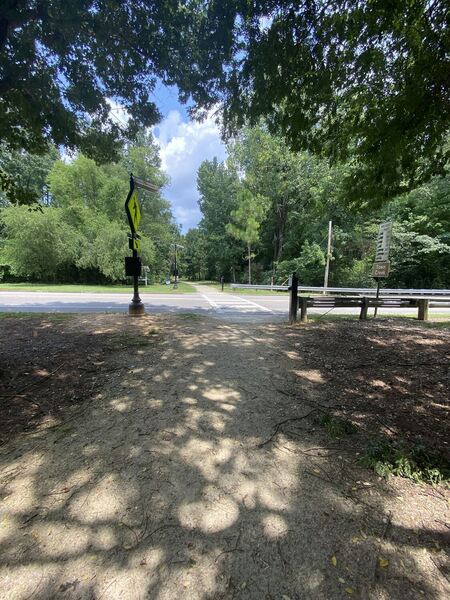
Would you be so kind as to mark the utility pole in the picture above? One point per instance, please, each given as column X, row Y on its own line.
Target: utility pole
column 327, row 264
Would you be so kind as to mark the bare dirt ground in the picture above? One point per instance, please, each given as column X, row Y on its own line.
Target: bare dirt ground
column 181, row 457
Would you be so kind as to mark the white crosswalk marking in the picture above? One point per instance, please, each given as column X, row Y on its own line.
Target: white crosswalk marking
column 229, row 303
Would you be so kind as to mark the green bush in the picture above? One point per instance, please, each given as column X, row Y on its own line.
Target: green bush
column 413, row 462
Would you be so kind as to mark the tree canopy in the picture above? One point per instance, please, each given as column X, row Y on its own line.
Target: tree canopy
column 63, row 63
column 353, row 80
column 366, row 81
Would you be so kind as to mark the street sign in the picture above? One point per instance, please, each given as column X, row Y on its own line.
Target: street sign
column 383, row 242
column 381, row 269
column 134, row 244
column 133, row 266
column 133, row 210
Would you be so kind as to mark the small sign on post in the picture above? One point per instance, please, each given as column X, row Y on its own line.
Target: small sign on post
column 383, row 242
column 381, row 269
column 381, row 266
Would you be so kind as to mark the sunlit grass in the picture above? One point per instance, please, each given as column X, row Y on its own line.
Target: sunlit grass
column 183, row 288
column 55, row 317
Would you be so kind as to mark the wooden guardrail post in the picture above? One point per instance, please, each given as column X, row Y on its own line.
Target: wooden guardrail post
column 293, row 298
column 423, row 304
column 364, row 308
column 303, row 302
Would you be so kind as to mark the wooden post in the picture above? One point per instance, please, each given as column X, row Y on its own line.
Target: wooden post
column 364, row 308
column 293, row 298
column 303, row 300
column 377, row 297
column 423, row 305
column 327, row 264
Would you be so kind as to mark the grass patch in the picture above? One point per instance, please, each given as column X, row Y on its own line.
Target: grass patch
column 337, row 426
column 54, row 317
column 413, row 462
column 437, row 321
column 183, row 288
column 189, row 316
column 130, row 340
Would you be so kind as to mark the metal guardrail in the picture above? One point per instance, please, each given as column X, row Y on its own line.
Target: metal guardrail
column 281, row 288
column 423, row 293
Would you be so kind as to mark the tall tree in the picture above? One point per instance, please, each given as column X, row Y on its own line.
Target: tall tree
column 195, row 254
column 217, row 184
column 246, row 222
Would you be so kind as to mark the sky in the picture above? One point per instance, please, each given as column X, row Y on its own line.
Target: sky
column 184, row 144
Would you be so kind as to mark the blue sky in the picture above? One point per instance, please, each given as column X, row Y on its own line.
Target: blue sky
column 184, row 144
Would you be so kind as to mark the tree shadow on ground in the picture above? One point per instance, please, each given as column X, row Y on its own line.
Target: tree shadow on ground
column 164, row 485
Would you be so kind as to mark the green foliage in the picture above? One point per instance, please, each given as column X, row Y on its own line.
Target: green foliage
column 302, row 194
column 82, row 234
column 361, row 83
column 337, row 427
column 308, row 266
column 64, row 66
column 364, row 82
column 217, row 184
column 38, row 244
column 413, row 462
column 246, row 221
column 195, row 255
column 23, row 176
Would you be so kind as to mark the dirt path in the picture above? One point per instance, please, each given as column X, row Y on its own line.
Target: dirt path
column 170, row 483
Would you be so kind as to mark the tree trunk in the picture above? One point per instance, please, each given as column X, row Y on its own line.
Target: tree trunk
column 249, row 265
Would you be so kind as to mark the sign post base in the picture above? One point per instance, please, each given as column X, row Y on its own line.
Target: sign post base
column 136, row 309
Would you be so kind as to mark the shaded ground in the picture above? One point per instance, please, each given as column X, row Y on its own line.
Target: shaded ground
column 180, row 457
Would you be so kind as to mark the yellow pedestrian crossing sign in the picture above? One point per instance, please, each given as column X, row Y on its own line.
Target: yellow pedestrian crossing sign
column 133, row 209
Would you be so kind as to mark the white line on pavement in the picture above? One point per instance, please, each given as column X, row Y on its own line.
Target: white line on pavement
column 213, row 304
column 260, row 306
column 235, row 302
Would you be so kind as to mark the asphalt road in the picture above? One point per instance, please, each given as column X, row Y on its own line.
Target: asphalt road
column 206, row 300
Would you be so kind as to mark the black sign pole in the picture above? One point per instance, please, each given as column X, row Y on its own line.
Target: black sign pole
column 136, row 307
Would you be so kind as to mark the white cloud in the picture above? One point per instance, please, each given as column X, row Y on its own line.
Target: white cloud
column 183, row 146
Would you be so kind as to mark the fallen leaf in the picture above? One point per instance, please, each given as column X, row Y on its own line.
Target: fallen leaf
column 383, row 562
column 341, row 580
column 349, row 590
column 333, row 561
column 355, row 539
column 316, row 471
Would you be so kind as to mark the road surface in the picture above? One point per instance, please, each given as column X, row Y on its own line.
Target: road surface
column 206, row 300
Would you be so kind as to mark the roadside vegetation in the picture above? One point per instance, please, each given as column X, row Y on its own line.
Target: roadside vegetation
column 154, row 288
column 284, row 217
column 77, row 233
